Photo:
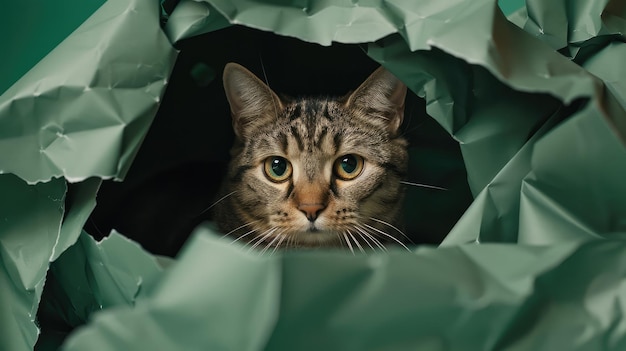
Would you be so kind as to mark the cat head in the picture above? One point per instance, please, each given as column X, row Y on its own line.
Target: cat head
column 314, row 172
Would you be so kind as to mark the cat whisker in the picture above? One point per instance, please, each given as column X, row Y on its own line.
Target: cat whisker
column 267, row 82
column 373, row 238
column 236, row 229
column 409, row 130
column 365, row 240
column 348, row 242
column 339, row 236
column 293, row 241
column 282, row 238
column 356, row 241
column 393, row 227
column 271, row 243
column 423, row 185
column 263, row 237
column 243, row 236
column 387, row 235
column 216, row 202
column 287, row 241
column 255, row 239
column 377, row 242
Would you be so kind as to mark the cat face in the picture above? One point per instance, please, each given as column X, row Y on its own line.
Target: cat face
column 314, row 172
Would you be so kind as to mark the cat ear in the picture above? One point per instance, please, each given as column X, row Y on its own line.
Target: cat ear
column 381, row 97
column 252, row 103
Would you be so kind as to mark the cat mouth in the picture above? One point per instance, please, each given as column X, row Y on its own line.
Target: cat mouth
column 314, row 236
column 313, row 229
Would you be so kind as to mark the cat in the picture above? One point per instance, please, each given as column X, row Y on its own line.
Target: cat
column 314, row 172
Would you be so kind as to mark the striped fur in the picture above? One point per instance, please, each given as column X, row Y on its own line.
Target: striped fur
column 312, row 133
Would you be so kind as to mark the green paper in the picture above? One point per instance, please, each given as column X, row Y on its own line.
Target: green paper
column 328, row 300
column 91, row 276
column 597, row 206
column 186, row 311
column 537, row 102
column 84, row 109
column 191, row 18
column 497, row 149
column 40, row 223
column 322, row 22
column 568, row 24
column 81, row 111
column 30, row 226
column 81, row 201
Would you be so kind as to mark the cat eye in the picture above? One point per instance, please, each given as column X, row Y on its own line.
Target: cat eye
column 277, row 169
column 348, row 167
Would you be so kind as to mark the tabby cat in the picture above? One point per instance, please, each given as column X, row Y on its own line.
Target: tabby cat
column 314, row 172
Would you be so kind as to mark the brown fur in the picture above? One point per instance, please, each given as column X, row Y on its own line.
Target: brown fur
column 312, row 133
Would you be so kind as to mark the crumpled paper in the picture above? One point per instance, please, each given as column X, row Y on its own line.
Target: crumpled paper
column 191, row 18
column 39, row 222
column 30, row 224
column 537, row 105
column 84, row 109
column 81, row 111
column 92, row 276
column 219, row 296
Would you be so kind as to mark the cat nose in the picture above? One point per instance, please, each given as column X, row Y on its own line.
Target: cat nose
column 311, row 211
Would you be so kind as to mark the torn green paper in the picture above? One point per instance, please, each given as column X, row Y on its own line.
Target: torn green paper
column 81, row 200
column 191, row 18
column 253, row 317
column 542, row 140
column 566, row 25
column 80, row 112
column 596, row 209
column 30, row 222
column 482, row 297
column 92, row 276
column 84, row 109
column 315, row 21
column 456, row 27
column 31, row 236
column 494, row 125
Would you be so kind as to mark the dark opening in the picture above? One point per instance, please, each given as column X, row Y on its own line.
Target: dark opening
column 179, row 167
